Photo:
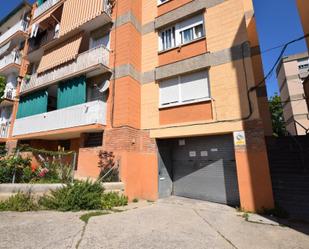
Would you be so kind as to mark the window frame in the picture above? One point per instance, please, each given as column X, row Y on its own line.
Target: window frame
column 178, row 31
column 180, row 101
column 162, row 36
column 160, row 2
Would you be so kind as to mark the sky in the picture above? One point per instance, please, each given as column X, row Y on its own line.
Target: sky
column 277, row 23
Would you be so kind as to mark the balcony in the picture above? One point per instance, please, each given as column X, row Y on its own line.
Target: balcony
column 20, row 26
column 9, row 94
column 41, row 40
column 50, row 3
column 44, row 7
column 12, row 58
column 4, row 130
column 92, row 62
column 90, row 113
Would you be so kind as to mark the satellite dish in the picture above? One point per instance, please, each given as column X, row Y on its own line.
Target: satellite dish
column 104, row 86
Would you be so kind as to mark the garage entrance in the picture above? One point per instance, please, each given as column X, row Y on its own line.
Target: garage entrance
column 199, row 168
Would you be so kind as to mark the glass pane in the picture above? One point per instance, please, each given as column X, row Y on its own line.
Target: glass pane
column 198, row 31
column 187, row 35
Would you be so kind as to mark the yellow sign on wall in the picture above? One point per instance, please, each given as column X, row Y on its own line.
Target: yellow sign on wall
column 239, row 138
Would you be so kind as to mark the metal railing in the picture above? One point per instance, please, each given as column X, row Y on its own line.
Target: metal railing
column 50, row 3
column 36, row 43
column 79, row 115
column 13, row 57
column 84, row 61
column 303, row 127
column 20, row 26
column 44, row 7
column 4, row 129
column 9, row 94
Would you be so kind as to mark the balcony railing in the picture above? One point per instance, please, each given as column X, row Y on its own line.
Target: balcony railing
column 12, row 58
column 74, row 116
column 44, row 7
column 4, row 130
column 38, row 42
column 50, row 3
column 20, row 26
column 9, row 94
column 85, row 61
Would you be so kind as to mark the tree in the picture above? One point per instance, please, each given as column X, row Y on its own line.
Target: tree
column 276, row 110
column 2, row 86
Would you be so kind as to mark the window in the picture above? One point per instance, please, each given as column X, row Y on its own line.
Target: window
column 167, row 38
column 303, row 63
column 162, row 1
column 182, row 33
column 184, row 89
column 96, row 42
column 93, row 139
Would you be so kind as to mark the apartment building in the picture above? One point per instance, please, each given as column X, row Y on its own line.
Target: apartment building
column 292, row 71
column 13, row 33
column 171, row 87
column 303, row 8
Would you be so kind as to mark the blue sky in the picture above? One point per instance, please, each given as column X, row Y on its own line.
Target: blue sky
column 277, row 22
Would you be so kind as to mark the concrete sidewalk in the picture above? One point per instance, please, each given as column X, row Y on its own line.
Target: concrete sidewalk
column 170, row 223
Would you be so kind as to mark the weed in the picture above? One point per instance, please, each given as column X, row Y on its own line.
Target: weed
column 112, row 199
column 20, row 202
column 86, row 217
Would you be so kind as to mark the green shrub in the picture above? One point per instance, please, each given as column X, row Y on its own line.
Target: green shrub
column 6, row 174
column 3, row 150
column 113, row 199
column 85, row 195
column 14, row 165
column 20, row 202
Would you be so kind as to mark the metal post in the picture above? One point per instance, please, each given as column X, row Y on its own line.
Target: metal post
column 74, row 165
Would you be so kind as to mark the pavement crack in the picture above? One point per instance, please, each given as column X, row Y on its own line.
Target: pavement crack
column 81, row 236
column 216, row 230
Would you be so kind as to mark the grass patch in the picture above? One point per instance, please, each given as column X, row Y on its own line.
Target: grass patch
column 20, row 202
column 86, row 217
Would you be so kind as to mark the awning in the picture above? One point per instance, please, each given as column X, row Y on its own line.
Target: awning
column 60, row 54
column 77, row 12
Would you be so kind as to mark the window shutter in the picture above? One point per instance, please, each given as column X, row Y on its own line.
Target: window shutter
column 169, row 92
column 194, row 86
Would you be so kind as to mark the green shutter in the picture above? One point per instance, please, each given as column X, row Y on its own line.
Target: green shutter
column 32, row 104
column 71, row 92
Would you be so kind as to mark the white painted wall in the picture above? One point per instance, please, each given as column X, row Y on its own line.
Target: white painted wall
column 74, row 116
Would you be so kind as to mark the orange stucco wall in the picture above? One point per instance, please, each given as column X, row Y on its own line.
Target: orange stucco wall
column 186, row 113
column 184, row 52
column 170, row 5
column 254, row 180
column 138, row 171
